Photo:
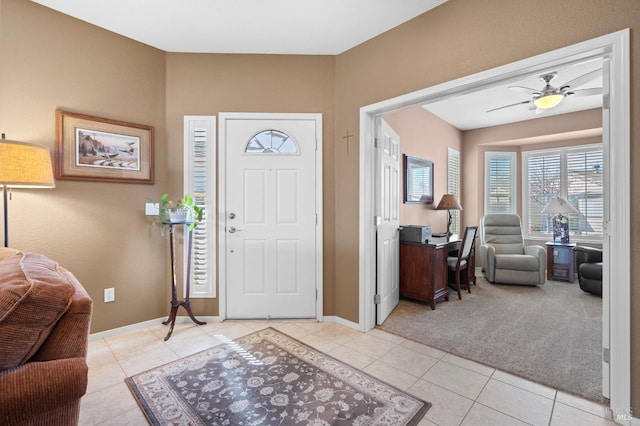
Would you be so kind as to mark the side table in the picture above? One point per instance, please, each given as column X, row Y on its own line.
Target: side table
column 560, row 262
column 175, row 303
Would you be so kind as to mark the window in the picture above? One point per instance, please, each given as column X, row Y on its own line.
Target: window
column 199, row 181
column 453, row 185
column 272, row 142
column 575, row 173
column 500, row 182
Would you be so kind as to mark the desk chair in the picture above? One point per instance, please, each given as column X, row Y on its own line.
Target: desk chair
column 460, row 263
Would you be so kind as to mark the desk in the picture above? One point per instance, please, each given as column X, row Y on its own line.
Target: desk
column 175, row 303
column 424, row 271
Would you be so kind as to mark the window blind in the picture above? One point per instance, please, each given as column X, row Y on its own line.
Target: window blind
column 544, row 182
column 500, row 183
column 200, row 175
column 453, row 185
column 575, row 173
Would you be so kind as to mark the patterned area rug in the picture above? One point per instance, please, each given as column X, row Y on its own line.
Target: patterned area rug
column 269, row 378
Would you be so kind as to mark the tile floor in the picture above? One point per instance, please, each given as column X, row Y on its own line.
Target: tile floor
column 462, row 392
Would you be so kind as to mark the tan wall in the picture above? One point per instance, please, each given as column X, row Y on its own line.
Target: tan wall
column 460, row 38
column 424, row 135
column 97, row 230
column 202, row 84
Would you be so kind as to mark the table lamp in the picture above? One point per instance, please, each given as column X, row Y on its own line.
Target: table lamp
column 449, row 202
column 560, row 207
column 23, row 165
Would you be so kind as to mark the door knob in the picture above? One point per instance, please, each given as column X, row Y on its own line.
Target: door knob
column 233, row 230
column 232, row 215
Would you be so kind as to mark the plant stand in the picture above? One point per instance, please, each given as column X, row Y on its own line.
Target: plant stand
column 175, row 303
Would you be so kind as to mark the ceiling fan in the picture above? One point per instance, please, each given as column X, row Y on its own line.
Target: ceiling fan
column 550, row 96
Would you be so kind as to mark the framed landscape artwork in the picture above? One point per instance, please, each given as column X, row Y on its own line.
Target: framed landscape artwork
column 103, row 150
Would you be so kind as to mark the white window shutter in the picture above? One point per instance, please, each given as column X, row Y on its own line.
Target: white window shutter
column 500, row 182
column 200, row 182
column 453, row 185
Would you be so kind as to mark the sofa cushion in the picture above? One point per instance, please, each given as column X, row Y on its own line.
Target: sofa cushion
column 34, row 294
column 518, row 262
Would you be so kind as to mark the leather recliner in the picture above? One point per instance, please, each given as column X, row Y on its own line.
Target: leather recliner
column 588, row 263
column 505, row 258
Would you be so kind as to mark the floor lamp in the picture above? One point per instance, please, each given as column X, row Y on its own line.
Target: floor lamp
column 23, row 165
column 449, row 202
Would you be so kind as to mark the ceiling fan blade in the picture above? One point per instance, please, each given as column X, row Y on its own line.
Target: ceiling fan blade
column 527, row 90
column 583, row 79
column 508, row 106
column 586, row 92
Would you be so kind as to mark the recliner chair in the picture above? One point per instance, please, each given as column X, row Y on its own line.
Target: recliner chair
column 588, row 262
column 505, row 258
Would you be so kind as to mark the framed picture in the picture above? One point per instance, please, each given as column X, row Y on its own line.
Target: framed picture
column 418, row 180
column 103, row 150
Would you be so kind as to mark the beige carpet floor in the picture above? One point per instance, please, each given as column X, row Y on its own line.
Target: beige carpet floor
column 551, row 334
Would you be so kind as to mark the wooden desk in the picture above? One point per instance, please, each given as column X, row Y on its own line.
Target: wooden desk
column 424, row 272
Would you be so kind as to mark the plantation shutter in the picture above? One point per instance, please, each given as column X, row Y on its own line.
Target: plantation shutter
column 585, row 183
column 200, row 175
column 544, row 182
column 453, row 185
column 500, row 182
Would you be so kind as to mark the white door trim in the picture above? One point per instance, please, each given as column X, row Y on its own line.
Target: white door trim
column 616, row 47
column 222, row 208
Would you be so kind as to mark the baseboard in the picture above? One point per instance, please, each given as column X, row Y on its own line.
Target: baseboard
column 145, row 324
column 342, row 321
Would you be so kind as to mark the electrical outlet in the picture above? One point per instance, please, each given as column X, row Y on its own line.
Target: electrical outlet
column 109, row 295
column 151, row 209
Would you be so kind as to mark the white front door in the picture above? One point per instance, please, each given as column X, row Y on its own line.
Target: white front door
column 387, row 215
column 270, row 216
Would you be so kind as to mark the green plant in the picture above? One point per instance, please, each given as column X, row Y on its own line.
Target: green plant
column 186, row 202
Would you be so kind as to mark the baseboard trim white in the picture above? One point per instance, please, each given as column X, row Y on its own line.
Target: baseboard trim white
column 145, row 324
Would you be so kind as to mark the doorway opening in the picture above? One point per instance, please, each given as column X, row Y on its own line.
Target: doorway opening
column 616, row 143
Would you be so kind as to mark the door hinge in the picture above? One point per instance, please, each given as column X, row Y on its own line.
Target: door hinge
column 377, row 143
column 377, row 220
column 605, row 355
column 606, row 101
column 316, row 294
column 377, row 299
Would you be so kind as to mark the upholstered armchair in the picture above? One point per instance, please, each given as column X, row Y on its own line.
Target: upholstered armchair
column 45, row 315
column 505, row 258
column 589, row 266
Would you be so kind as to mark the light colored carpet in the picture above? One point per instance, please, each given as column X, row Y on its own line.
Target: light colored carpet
column 551, row 334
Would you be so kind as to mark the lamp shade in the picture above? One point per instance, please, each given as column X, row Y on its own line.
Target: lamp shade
column 25, row 165
column 559, row 205
column 449, row 202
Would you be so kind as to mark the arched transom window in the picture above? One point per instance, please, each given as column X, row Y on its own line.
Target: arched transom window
column 272, row 142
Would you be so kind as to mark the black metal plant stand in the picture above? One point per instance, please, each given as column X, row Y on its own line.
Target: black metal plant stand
column 175, row 303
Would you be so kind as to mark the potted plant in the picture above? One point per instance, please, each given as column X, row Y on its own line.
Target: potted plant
column 183, row 210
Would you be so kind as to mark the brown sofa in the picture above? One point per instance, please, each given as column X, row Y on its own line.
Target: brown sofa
column 45, row 315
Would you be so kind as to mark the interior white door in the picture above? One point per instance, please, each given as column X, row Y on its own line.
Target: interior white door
column 388, row 221
column 270, row 218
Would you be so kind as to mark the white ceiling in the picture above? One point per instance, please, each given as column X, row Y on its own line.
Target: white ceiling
column 306, row 27
column 467, row 112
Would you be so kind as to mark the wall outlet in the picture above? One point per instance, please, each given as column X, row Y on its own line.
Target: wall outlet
column 109, row 295
column 151, row 209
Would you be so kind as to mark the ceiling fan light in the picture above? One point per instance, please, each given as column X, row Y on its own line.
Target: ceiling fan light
column 549, row 101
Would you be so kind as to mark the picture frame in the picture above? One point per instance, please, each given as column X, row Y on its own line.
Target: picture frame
column 103, row 150
column 418, row 180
